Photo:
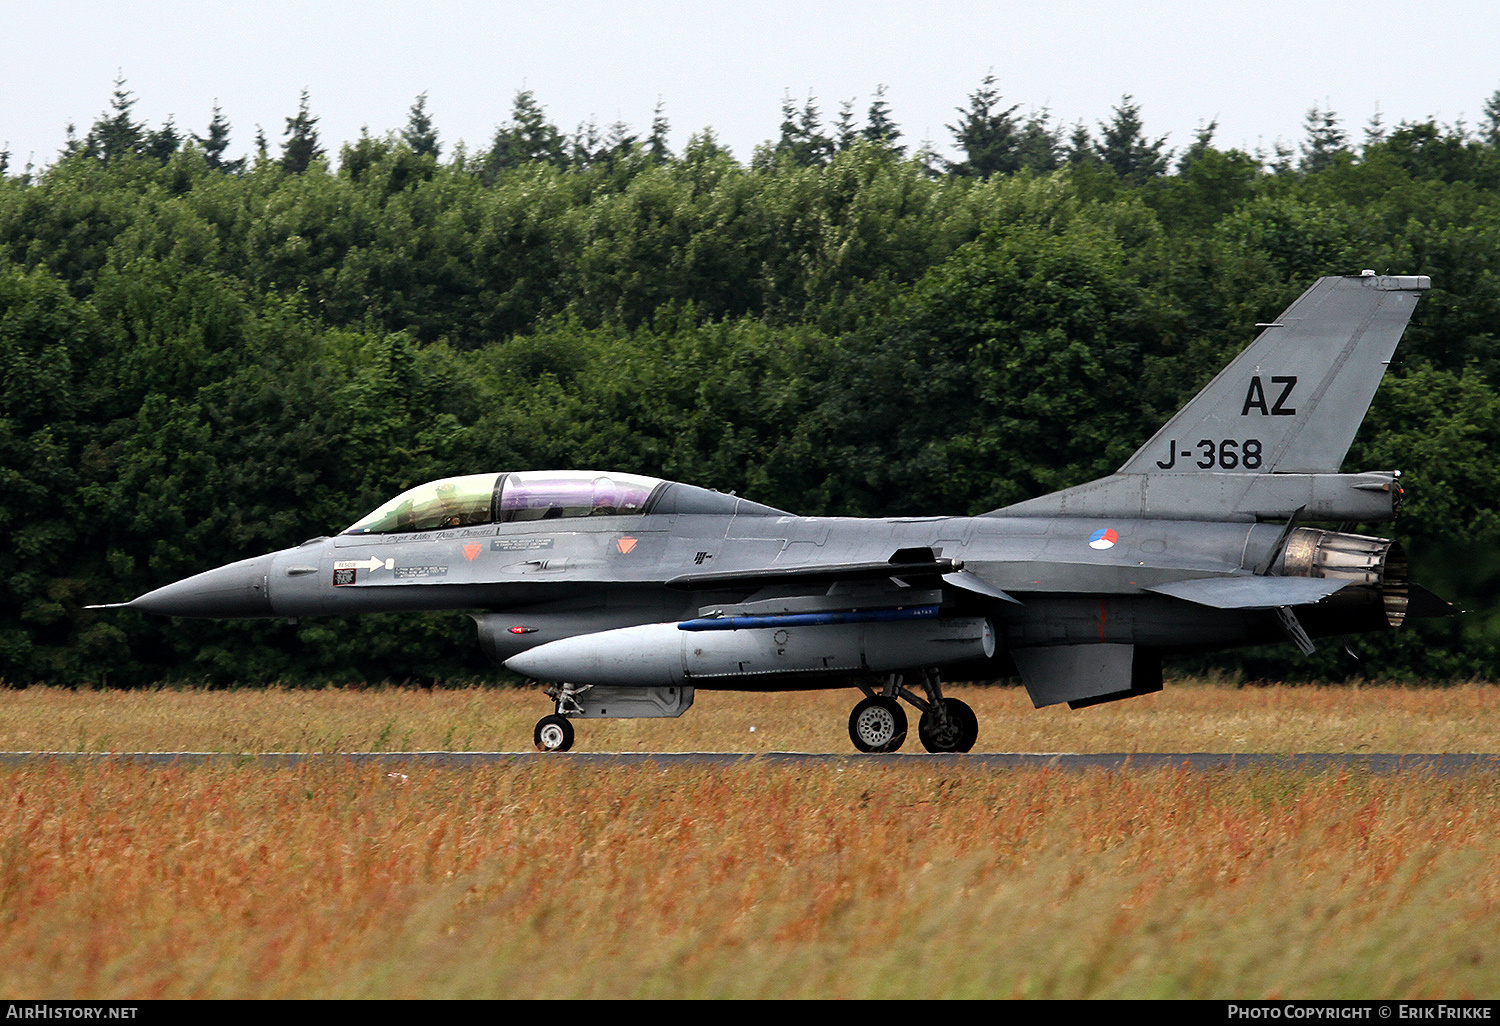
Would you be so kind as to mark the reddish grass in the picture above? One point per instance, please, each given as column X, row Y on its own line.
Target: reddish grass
column 542, row 878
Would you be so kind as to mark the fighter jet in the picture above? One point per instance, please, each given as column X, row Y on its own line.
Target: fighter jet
column 626, row 593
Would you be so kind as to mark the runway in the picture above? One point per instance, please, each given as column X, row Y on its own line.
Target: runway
column 1311, row 763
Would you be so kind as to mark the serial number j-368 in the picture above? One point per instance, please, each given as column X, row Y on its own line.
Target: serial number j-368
column 1225, row 454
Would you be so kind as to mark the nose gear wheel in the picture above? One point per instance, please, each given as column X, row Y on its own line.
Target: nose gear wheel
column 553, row 734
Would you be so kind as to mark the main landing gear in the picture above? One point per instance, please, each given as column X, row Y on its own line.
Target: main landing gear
column 878, row 723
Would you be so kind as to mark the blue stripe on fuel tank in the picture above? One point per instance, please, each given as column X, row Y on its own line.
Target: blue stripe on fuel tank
column 740, row 623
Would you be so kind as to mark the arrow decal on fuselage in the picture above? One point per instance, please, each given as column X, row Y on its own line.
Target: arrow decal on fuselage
column 372, row 563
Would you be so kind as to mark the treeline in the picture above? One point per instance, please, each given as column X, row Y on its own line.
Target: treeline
column 205, row 358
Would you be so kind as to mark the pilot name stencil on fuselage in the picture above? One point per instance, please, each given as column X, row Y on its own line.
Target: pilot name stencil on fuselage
column 449, row 534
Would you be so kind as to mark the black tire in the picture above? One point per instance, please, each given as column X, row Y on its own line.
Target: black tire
column 962, row 732
column 971, row 724
column 877, row 724
column 553, row 734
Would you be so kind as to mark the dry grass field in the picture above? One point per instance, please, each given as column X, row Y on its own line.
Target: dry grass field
column 1186, row 717
column 541, row 877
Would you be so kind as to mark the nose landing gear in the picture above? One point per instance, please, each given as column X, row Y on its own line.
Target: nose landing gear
column 555, row 733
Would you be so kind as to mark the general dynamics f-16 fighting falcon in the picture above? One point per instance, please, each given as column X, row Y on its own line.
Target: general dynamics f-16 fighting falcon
column 628, row 593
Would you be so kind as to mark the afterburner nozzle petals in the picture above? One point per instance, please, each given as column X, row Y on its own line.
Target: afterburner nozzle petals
column 238, row 589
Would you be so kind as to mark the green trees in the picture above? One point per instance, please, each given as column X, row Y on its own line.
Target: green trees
column 1326, row 140
column 988, row 136
column 528, row 138
column 802, row 140
column 1124, row 147
column 202, row 358
column 301, row 147
column 995, row 141
column 1011, row 369
column 51, row 383
column 419, row 134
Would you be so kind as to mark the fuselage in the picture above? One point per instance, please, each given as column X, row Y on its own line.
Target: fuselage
column 1073, row 580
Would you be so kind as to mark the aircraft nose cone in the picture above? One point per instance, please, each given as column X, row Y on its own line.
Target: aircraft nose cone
column 238, row 589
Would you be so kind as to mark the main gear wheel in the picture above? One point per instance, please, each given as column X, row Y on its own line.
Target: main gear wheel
column 878, row 724
column 956, row 731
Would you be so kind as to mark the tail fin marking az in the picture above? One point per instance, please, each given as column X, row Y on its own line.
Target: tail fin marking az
column 1292, row 401
column 1270, row 432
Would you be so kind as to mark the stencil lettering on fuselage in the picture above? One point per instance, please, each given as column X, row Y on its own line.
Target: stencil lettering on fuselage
column 519, row 544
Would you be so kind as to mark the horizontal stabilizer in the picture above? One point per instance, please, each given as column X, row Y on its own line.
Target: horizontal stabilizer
column 1421, row 603
column 1252, row 592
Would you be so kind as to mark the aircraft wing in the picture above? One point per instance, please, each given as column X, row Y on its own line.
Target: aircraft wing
column 1251, row 592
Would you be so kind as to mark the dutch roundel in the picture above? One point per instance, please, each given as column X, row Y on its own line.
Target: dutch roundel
column 1104, row 538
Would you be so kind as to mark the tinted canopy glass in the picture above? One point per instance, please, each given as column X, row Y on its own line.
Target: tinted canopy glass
column 508, row 498
column 549, row 494
column 451, row 502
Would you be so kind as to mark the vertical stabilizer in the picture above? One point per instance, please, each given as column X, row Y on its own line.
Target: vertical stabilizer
column 1292, row 401
column 1268, row 435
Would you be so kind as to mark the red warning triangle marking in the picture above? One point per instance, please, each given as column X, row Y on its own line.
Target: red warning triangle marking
column 625, row 544
column 470, row 551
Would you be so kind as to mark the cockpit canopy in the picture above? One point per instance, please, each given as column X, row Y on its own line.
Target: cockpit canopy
column 508, row 498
